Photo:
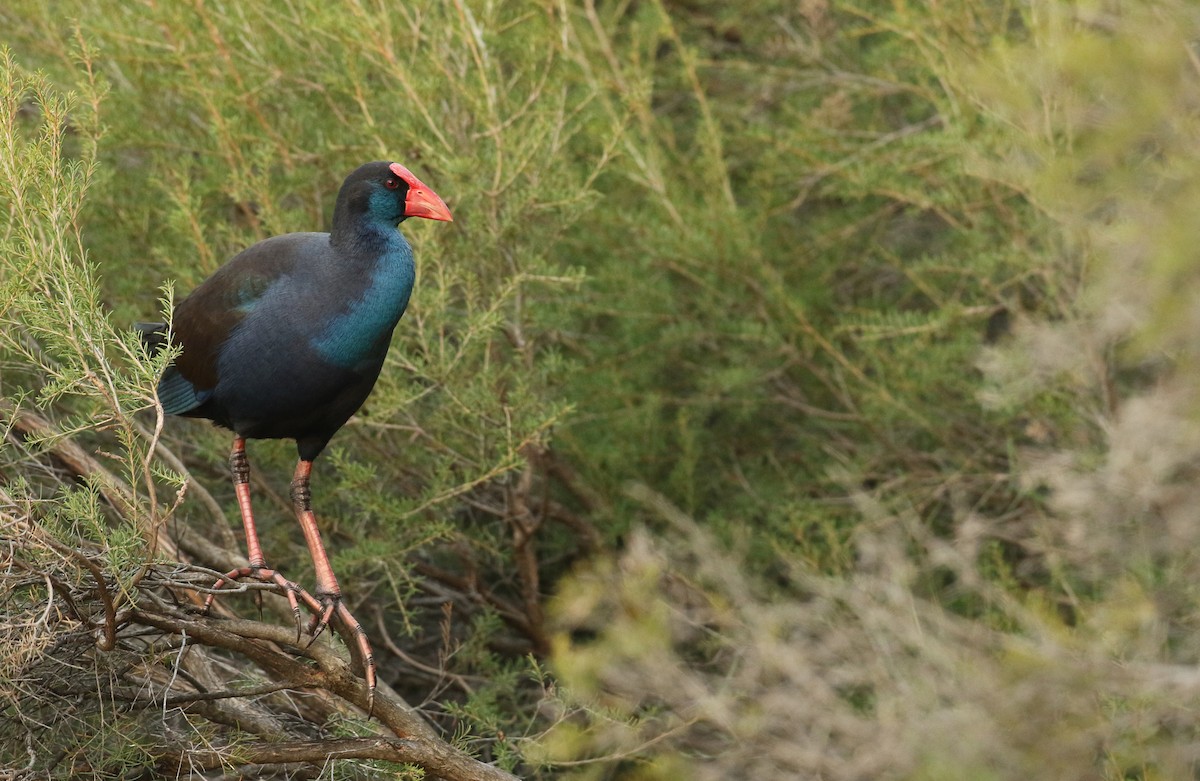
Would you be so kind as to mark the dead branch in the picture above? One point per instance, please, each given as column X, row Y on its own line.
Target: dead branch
column 274, row 649
column 157, row 652
column 312, row 751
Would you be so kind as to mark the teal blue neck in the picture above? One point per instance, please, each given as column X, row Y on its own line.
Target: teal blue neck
column 364, row 329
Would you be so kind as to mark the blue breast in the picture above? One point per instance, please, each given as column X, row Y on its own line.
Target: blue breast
column 362, row 330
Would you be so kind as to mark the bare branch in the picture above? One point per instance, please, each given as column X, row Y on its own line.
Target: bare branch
column 273, row 648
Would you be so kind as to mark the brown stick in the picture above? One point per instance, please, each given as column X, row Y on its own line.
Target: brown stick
column 524, row 527
column 318, row 751
column 418, row 743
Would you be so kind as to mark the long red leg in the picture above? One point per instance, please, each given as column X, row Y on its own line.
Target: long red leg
column 328, row 592
column 239, row 466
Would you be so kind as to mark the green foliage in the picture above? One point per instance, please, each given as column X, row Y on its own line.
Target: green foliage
column 805, row 271
column 1050, row 639
column 55, row 333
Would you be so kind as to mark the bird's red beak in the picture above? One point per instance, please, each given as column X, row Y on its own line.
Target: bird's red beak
column 421, row 201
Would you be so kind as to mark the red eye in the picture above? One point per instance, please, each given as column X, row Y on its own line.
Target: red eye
column 391, row 184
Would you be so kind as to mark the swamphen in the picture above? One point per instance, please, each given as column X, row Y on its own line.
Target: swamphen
column 286, row 340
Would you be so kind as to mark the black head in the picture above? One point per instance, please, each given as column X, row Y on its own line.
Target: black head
column 386, row 193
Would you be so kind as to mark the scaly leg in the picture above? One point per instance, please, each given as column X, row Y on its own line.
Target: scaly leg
column 258, row 569
column 328, row 593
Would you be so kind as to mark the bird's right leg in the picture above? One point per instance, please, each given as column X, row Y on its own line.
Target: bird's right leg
column 239, row 466
column 328, row 592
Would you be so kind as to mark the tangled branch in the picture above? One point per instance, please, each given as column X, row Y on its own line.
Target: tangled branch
column 94, row 645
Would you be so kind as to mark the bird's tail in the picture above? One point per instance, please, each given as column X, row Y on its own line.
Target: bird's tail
column 153, row 336
column 177, row 394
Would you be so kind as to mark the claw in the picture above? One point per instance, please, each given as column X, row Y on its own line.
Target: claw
column 364, row 648
column 329, row 605
column 324, row 607
column 332, row 605
column 294, row 591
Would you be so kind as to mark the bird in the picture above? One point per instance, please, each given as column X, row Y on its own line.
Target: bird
column 286, row 341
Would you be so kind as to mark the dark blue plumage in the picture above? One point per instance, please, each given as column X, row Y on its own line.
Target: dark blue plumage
column 303, row 349
column 287, row 339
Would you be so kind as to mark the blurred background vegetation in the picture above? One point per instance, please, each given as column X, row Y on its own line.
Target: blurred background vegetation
column 803, row 390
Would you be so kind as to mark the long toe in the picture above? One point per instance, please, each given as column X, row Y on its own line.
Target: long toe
column 333, row 605
column 364, row 648
column 324, row 606
column 294, row 591
column 320, row 619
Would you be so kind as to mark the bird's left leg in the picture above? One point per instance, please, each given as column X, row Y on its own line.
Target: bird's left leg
column 239, row 467
column 328, row 592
